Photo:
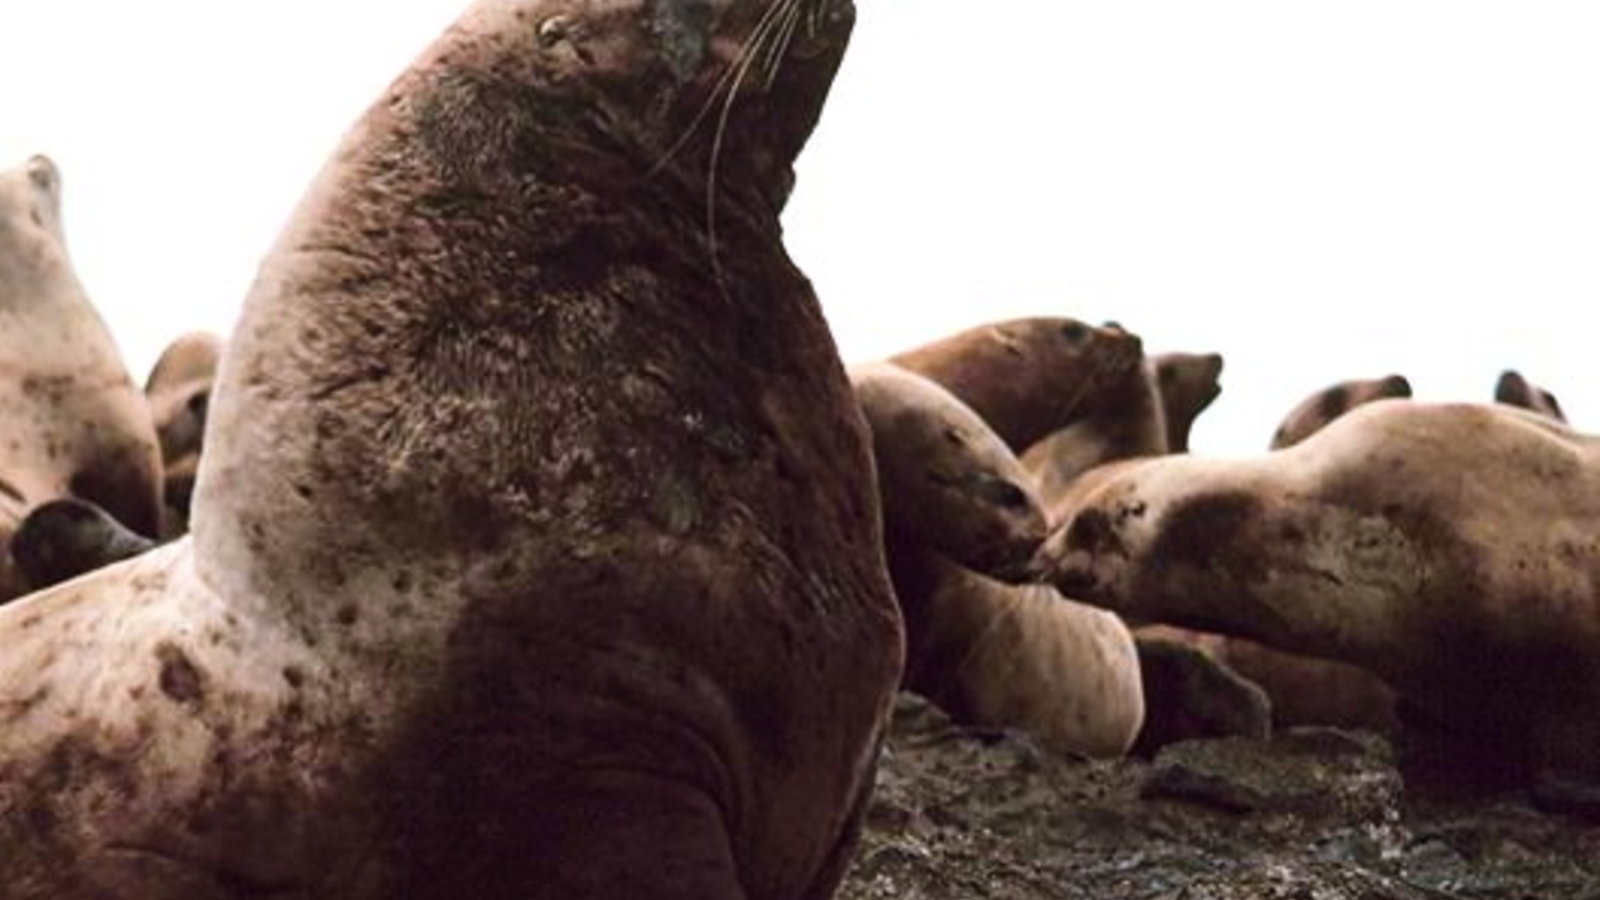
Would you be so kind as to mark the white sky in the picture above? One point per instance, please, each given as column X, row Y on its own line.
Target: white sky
column 1317, row 190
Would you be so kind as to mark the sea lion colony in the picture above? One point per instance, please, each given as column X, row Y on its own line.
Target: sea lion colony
column 543, row 547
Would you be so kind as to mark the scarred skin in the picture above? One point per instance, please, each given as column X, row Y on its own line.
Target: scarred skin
column 1415, row 540
column 536, row 549
column 1028, row 378
column 75, row 424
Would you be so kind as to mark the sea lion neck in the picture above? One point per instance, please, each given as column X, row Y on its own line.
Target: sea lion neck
column 482, row 329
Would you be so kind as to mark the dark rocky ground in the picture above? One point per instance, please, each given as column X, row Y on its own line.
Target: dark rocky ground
column 1307, row 815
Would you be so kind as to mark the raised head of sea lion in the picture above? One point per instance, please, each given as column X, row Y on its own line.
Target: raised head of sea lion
column 75, row 424
column 949, row 484
column 536, row 549
column 1515, row 390
column 1414, row 540
column 1316, row 411
column 65, row 538
column 179, row 392
column 1028, row 378
column 1189, row 383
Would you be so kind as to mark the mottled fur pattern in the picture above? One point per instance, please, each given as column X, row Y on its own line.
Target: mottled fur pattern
column 536, row 549
column 75, row 423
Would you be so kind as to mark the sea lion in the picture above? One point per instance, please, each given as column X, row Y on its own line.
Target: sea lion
column 1020, row 657
column 535, row 544
column 959, row 525
column 948, row 483
column 1515, row 390
column 178, row 390
column 75, row 423
column 1189, row 384
column 1317, row 410
column 1027, row 378
column 1417, row 541
column 65, row 538
column 1124, row 421
column 1189, row 693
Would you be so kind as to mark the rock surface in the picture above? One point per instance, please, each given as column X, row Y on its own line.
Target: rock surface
column 1307, row 815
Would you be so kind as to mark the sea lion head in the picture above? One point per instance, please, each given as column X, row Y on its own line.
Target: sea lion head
column 1315, row 412
column 30, row 218
column 65, row 538
column 1188, row 383
column 722, row 93
column 1155, row 541
column 948, row 483
column 1513, row 389
column 179, row 391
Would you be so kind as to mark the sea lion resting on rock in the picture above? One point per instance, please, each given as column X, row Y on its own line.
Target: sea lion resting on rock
column 1028, row 378
column 179, row 392
column 535, row 545
column 1414, row 540
column 75, row 424
column 1514, row 390
column 958, row 525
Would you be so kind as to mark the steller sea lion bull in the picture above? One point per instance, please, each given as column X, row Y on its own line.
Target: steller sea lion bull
column 536, row 549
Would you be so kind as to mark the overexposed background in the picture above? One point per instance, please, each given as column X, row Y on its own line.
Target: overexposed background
column 1317, row 190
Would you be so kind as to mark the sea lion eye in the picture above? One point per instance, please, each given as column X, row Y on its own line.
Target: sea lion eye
column 1075, row 332
column 1004, row 493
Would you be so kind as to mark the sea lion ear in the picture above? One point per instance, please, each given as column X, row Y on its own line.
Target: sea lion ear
column 46, row 181
column 44, row 175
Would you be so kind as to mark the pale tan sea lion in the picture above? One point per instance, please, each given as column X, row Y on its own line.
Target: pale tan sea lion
column 1019, row 657
column 535, row 545
column 1028, row 378
column 1452, row 549
column 949, row 484
column 179, row 391
column 959, row 523
column 1515, row 390
column 1316, row 411
column 75, row 424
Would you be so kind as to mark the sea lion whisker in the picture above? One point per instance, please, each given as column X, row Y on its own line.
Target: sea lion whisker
column 728, row 80
column 780, row 48
column 745, row 61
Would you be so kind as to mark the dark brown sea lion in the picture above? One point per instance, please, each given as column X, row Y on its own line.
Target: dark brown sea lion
column 1189, row 693
column 1028, row 378
column 1316, row 411
column 65, row 538
column 179, row 392
column 535, row 545
column 1515, row 390
column 75, row 424
column 1452, row 549
column 959, row 523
